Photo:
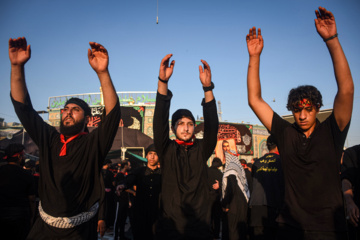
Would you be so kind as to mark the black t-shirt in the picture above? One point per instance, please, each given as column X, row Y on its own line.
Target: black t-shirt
column 73, row 183
column 268, row 182
column 313, row 195
column 16, row 185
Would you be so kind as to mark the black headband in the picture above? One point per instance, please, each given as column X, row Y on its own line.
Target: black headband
column 81, row 103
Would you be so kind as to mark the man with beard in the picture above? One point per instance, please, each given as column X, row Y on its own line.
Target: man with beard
column 71, row 185
column 310, row 151
column 148, row 186
column 17, row 195
column 185, row 207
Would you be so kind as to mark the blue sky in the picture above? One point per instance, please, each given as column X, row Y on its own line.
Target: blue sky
column 294, row 54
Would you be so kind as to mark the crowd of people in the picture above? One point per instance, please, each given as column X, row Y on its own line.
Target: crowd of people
column 176, row 195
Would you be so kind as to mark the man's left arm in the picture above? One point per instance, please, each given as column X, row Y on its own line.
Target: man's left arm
column 99, row 61
column 106, row 132
column 211, row 120
column 343, row 104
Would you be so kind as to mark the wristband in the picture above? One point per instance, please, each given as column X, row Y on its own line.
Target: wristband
column 211, row 87
column 163, row 80
column 325, row 40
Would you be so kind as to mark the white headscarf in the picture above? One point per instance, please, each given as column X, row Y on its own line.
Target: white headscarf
column 233, row 167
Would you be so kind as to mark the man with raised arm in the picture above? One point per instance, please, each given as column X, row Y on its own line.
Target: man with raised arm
column 184, row 202
column 310, row 150
column 70, row 185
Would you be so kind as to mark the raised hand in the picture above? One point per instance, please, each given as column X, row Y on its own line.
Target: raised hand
column 19, row 51
column 205, row 74
column 255, row 43
column 98, row 57
column 166, row 70
column 325, row 23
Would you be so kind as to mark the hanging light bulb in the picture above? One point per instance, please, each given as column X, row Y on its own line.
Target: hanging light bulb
column 157, row 11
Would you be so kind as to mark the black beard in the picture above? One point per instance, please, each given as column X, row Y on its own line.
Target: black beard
column 73, row 129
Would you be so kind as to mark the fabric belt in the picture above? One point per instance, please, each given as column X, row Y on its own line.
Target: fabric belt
column 68, row 222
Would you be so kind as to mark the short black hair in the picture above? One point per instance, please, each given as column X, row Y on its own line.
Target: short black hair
column 181, row 113
column 216, row 162
column 305, row 91
column 124, row 163
column 11, row 150
column 270, row 143
column 150, row 148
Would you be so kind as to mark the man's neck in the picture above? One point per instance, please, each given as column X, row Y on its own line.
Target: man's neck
column 152, row 167
column 69, row 136
column 308, row 132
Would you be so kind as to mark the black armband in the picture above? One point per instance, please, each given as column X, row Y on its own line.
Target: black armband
column 211, row 87
column 334, row 36
column 163, row 80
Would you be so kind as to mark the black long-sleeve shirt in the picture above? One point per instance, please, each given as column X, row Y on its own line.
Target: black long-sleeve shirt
column 185, row 205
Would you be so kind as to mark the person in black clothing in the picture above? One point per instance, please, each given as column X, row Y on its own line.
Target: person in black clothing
column 310, row 150
column 109, row 198
column 122, row 201
column 148, row 187
column 235, row 197
column 267, row 194
column 215, row 182
column 184, row 201
column 70, row 185
column 17, row 195
column 350, row 175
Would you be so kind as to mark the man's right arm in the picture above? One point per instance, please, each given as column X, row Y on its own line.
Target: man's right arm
column 19, row 54
column 262, row 110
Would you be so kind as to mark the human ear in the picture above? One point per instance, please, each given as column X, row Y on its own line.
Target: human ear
column 87, row 119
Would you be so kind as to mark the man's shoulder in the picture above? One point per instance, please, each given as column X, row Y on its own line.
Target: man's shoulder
column 279, row 123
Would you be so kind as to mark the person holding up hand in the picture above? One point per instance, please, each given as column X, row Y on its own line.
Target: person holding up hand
column 185, row 209
column 310, row 150
column 70, row 186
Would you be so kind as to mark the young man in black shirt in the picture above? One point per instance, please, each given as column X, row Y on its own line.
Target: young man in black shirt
column 267, row 194
column 310, row 150
column 184, row 202
column 148, row 187
column 71, row 185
